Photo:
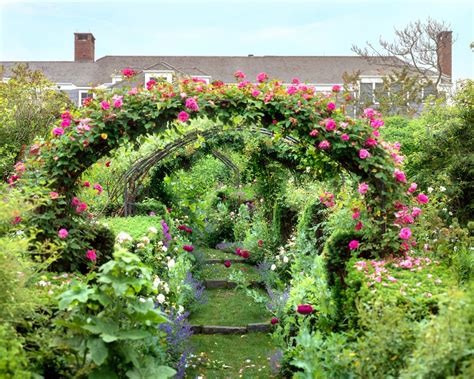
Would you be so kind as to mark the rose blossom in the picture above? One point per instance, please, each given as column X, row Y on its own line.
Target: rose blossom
column 363, row 188
column 188, row 248
column 262, row 77
column 363, row 154
column 345, row 137
column 53, row 195
column 63, row 233
column 400, row 176
column 359, row 226
column 118, row 101
column 304, row 309
column 330, row 124
column 336, row 88
column 354, row 244
column 356, row 215
column 412, row 188
column 331, row 106
column 105, row 105
column 98, row 187
column 128, row 72
column 183, row 116
column 58, row 131
column 324, row 145
column 415, row 212
column 192, row 104
column 227, row 264
column 239, row 75
column 274, row 321
column 255, row 93
column 422, row 198
column 91, row 255
column 314, row 133
column 405, row 233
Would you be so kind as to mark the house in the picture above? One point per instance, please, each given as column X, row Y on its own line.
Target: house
column 78, row 77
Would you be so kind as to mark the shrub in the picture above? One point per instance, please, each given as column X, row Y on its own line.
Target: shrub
column 13, row 360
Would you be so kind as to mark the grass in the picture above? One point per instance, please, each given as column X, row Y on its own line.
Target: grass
column 229, row 308
column 136, row 226
column 231, row 356
column 219, row 271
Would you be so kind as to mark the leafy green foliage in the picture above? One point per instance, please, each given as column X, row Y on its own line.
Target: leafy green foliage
column 13, row 360
column 111, row 322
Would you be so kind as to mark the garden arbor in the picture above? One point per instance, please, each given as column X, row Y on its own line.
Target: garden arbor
column 316, row 121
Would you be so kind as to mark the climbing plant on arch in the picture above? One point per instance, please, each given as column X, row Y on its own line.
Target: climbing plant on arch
column 317, row 121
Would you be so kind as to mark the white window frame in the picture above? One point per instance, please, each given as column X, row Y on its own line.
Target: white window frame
column 167, row 74
column 81, row 91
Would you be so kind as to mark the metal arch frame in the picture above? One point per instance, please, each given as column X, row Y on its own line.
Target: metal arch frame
column 136, row 174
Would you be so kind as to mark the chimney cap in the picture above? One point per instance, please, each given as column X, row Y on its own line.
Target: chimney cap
column 79, row 35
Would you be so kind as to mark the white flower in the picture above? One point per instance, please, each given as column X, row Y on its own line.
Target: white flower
column 180, row 309
column 171, row 263
column 152, row 230
column 140, row 245
column 430, row 189
column 285, row 259
column 146, row 240
column 142, row 300
column 164, row 248
column 161, row 298
column 123, row 237
column 273, row 267
column 442, row 188
column 156, row 283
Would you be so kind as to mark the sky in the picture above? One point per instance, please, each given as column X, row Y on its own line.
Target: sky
column 43, row 30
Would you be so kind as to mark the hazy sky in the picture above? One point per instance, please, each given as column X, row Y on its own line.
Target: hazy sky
column 43, row 30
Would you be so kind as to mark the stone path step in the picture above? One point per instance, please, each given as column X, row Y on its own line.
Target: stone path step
column 226, row 284
column 218, row 329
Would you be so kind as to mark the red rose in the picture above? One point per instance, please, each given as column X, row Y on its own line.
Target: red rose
column 182, row 227
column 304, row 309
column 227, row 264
column 260, row 243
column 274, row 321
column 188, row 248
column 245, row 254
column 237, row 251
column 188, row 230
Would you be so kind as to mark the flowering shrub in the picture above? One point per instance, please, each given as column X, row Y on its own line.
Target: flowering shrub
column 64, row 157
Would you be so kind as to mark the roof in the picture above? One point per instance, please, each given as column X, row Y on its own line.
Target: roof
column 311, row 69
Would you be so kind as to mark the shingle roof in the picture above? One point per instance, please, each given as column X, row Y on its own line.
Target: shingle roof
column 311, row 69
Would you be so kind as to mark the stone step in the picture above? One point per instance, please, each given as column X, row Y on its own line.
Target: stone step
column 217, row 329
column 226, row 284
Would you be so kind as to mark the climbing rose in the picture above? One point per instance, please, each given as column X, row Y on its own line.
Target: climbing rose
column 150, row 84
column 245, row 254
column 412, row 188
column 262, row 77
column 376, row 123
column 331, row 106
column 324, row 145
column 330, row 124
column 345, row 137
column 336, row 88
column 188, row 230
column 128, row 72
column 274, row 321
column 369, row 112
column 363, row 154
column 405, row 233
column 98, row 187
column 304, row 309
column 255, row 93
column 65, row 122
column 363, row 188
column 400, row 176
column 354, row 244
column 58, row 131
column 63, row 233
column 370, row 142
column 192, row 104
column 422, row 198
column 295, row 81
column 359, row 226
column 183, row 116
column 81, row 207
column 105, row 105
column 356, row 215
column 313, row 133
column 291, row 90
column 118, row 101
column 415, row 212
column 86, row 184
column 53, row 195
column 91, row 255
column 75, row 201
column 188, row 248
column 227, row 264
column 239, row 75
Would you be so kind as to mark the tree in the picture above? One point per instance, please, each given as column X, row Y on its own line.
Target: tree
column 29, row 103
column 417, row 48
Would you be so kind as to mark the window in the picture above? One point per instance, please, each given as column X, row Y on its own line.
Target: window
column 366, row 92
column 84, row 95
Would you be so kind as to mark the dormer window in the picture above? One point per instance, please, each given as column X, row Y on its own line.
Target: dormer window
column 166, row 75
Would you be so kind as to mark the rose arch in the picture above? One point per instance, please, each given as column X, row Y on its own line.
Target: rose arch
column 317, row 121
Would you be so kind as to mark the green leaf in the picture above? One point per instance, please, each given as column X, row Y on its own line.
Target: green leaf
column 103, row 373
column 98, row 350
column 78, row 293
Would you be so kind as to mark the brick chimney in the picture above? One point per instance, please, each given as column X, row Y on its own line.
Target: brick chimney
column 84, row 47
column 445, row 53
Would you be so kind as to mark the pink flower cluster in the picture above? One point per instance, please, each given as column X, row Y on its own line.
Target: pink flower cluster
column 192, row 104
column 79, row 205
column 327, row 199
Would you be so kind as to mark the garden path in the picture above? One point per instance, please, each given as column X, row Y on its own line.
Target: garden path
column 231, row 337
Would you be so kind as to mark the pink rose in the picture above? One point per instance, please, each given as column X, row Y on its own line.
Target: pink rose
column 363, row 154
column 66, row 114
column 118, row 101
column 133, row 91
column 63, row 233
column 86, row 184
column 313, row 133
column 324, row 145
column 336, row 88
column 58, row 131
column 356, row 215
column 183, row 116
column 359, row 226
column 274, row 321
column 354, row 244
column 98, row 187
column 255, row 93
column 128, row 72
column 53, row 195
column 412, row 188
column 331, row 106
column 330, row 124
column 369, row 112
column 239, row 75
column 75, row 201
column 192, row 104
column 415, row 212
column 345, row 137
column 188, row 248
column 91, row 255
column 405, row 233
column 363, row 188
column 65, row 122
column 371, row 142
column 295, row 81
column 376, row 123
column 150, row 84
column 262, row 77
column 291, row 90
column 400, row 176
column 422, row 198
column 105, row 105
